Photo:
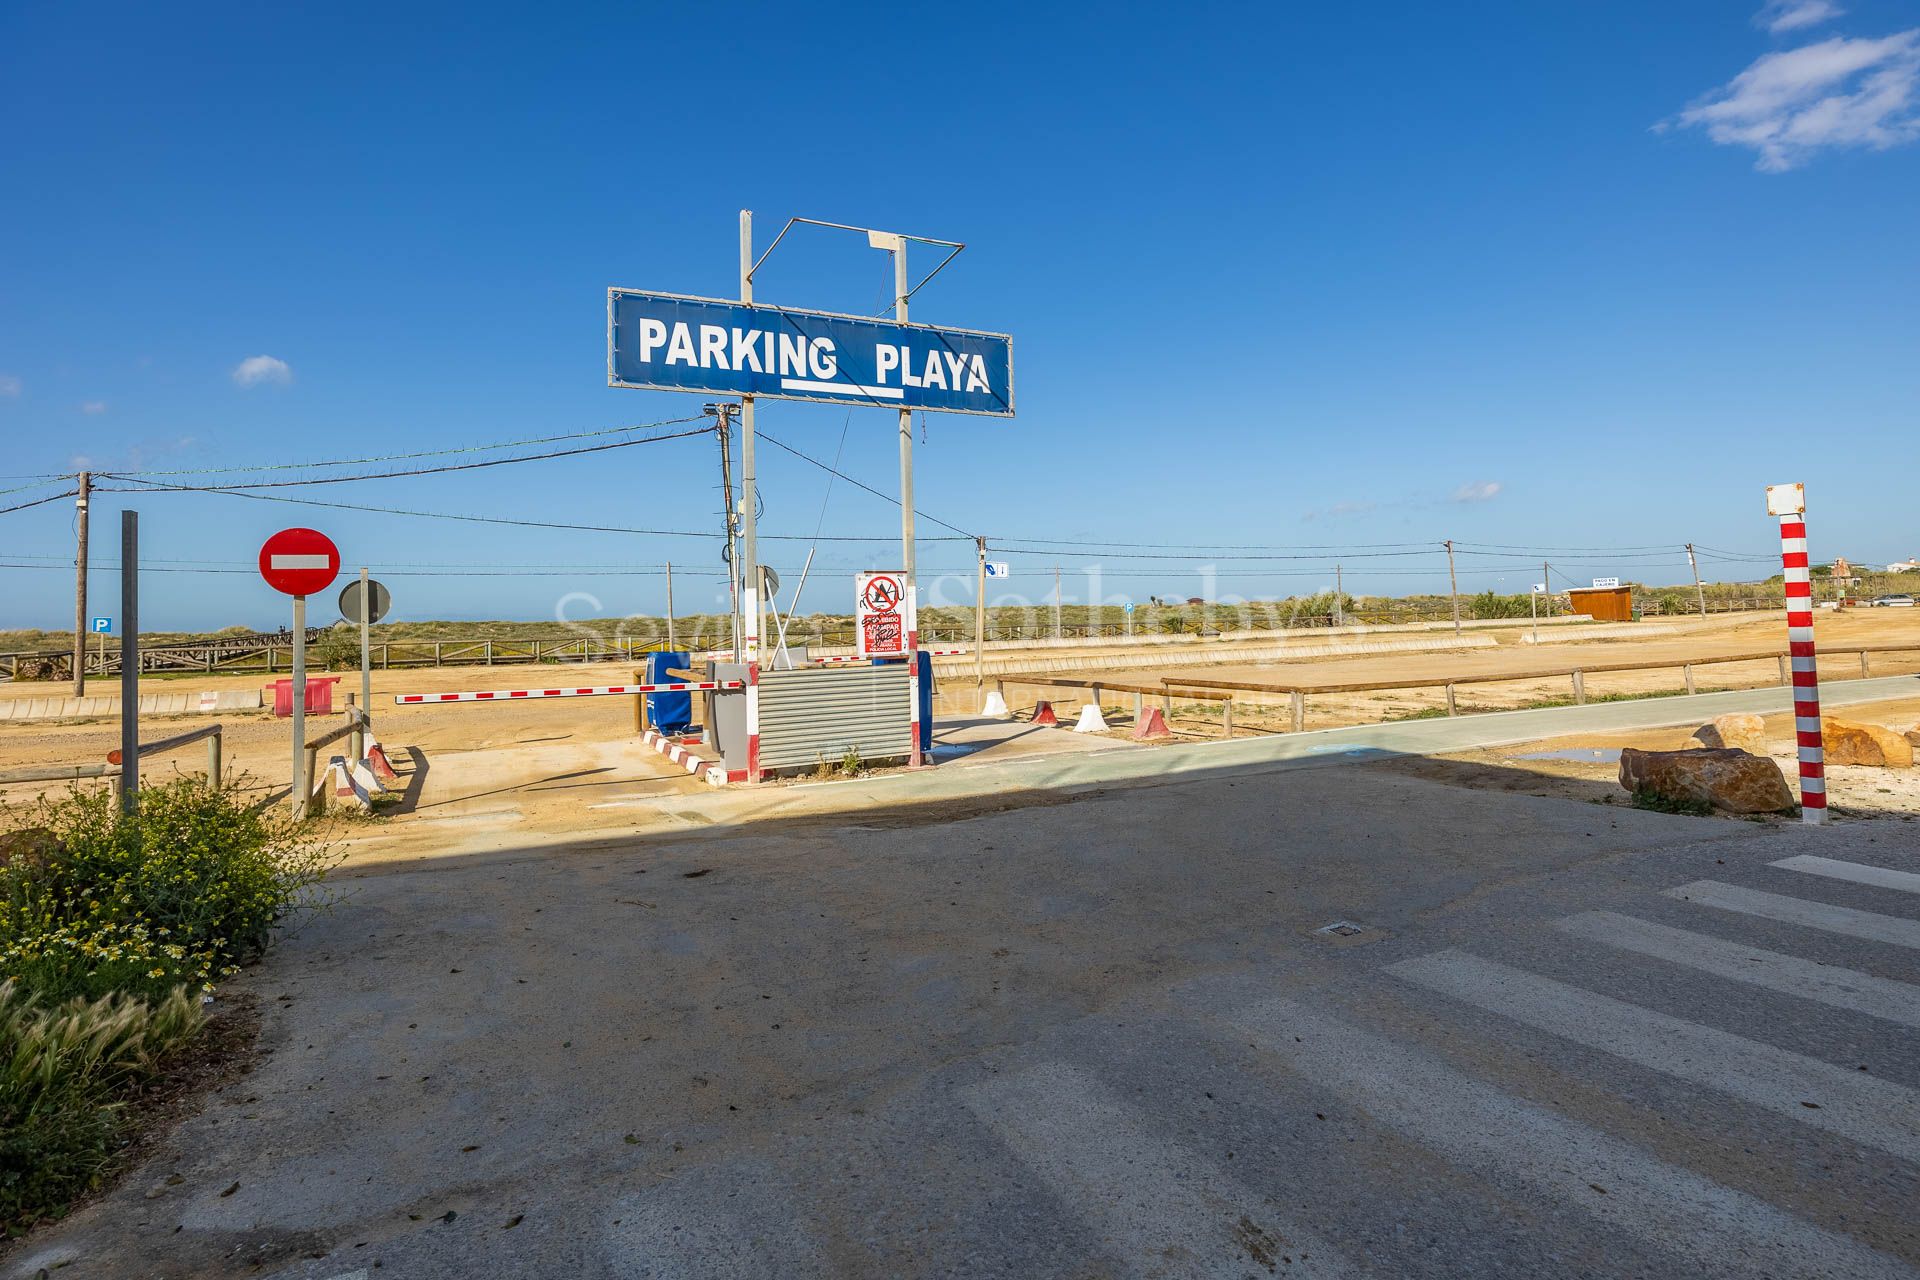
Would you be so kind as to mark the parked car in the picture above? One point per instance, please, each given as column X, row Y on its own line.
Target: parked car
column 1893, row 602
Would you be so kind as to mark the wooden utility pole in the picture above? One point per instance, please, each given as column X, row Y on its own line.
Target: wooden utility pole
column 1453, row 587
column 980, row 617
column 1339, row 599
column 1056, row 602
column 1699, row 591
column 80, row 586
column 1546, row 577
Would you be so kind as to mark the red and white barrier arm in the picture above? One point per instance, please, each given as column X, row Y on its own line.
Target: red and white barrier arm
column 589, row 691
column 931, row 653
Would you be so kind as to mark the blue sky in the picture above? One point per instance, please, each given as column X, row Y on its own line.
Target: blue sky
column 1308, row 278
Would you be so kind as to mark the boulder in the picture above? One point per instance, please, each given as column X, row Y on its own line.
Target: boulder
column 1725, row 777
column 1848, row 742
column 1913, row 736
column 1743, row 732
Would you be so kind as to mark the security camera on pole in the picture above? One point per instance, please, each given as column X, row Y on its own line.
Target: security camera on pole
column 299, row 562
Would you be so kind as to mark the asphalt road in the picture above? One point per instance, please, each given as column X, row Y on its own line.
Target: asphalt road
column 1080, row 1035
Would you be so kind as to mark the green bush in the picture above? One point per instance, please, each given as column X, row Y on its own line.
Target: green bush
column 63, row 1069
column 177, row 892
column 1490, row 604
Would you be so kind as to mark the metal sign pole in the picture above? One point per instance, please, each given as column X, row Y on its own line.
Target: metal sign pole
column 301, row 783
column 366, row 646
column 912, row 583
column 748, row 572
column 129, row 661
column 671, row 645
column 980, row 619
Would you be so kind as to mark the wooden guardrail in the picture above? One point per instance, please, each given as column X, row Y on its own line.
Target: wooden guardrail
column 1298, row 691
column 111, row 766
column 1203, row 688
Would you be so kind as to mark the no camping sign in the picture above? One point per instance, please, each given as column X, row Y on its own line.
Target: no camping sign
column 880, row 610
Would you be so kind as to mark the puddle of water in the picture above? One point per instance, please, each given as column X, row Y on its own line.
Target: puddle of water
column 1584, row 755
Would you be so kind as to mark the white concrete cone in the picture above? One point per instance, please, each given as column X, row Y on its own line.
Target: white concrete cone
column 995, row 707
column 1091, row 721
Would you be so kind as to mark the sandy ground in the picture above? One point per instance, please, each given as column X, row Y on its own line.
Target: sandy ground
column 1854, row 792
column 1512, row 660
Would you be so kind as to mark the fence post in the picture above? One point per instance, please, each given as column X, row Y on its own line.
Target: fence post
column 1686, row 669
column 311, row 803
column 1452, row 710
column 1863, row 664
column 1580, row 688
column 1783, row 669
column 1299, row 711
column 1226, row 718
column 213, row 762
column 355, row 740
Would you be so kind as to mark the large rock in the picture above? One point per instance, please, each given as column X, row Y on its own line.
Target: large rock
column 1741, row 732
column 1726, row 778
column 1869, row 744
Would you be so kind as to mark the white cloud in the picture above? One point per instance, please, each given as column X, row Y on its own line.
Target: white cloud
column 1840, row 92
column 94, row 406
column 10, row 385
column 1478, row 491
column 1795, row 15
column 255, row 371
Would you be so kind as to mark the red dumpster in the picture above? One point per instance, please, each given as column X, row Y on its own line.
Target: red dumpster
column 319, row 696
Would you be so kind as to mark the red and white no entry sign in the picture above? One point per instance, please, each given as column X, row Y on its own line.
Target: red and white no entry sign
column 299, row 562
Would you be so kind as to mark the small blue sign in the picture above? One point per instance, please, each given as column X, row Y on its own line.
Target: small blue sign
column 1127, row 607
column 999, row 569
column 667, row 342
column 103, row 625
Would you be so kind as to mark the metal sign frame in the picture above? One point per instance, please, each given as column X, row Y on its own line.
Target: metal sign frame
column 864, row 401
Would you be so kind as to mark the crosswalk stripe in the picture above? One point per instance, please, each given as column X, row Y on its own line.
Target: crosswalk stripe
column 1858, row 872
column 1830, row 984
column 1869, row 925
column 1161, row 1210
column 1716, row 1229
column 1873, row 1112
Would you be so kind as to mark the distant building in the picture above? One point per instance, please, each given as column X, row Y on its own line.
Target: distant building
column 1196, row 599
column 1904, row 566
column 1843, row 573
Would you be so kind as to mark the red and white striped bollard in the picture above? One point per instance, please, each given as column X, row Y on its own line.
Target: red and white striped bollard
column 1788, row 501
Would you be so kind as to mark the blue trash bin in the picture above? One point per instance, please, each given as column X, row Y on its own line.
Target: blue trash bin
column 669, row 713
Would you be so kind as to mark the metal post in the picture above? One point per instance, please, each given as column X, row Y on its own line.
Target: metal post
column 671, row 645
column 1453, row 587
column 80, row 587
column 1533, row 607
column 1806, row 675
column 129, row 661
column 1699, row 591
column 749, row 571
column 897, row 245
column 980, row 617
column 356, row 748
column 301, row 782
column 1056, row 602
column 366, row 654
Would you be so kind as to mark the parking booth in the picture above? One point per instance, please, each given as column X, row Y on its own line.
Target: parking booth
column 816, row 713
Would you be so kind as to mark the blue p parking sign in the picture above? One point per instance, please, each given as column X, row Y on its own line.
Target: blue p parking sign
column 102, row 626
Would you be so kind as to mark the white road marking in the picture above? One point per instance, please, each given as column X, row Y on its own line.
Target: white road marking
column 1715, row 1229
column 1869, row 925
column 1858, row 872
column 1829, row 984
column 1161, row 1210
column 1873, row 1112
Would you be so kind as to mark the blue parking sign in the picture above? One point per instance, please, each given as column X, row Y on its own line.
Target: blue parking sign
column 102, row 626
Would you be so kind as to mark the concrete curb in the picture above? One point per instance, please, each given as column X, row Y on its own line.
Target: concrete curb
column 151, row 704
column 713, row 773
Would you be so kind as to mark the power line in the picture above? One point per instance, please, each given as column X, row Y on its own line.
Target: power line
column 38, row 502
column 428, row 471
column 761, row 434
column 405, row 457
column 153, row 486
